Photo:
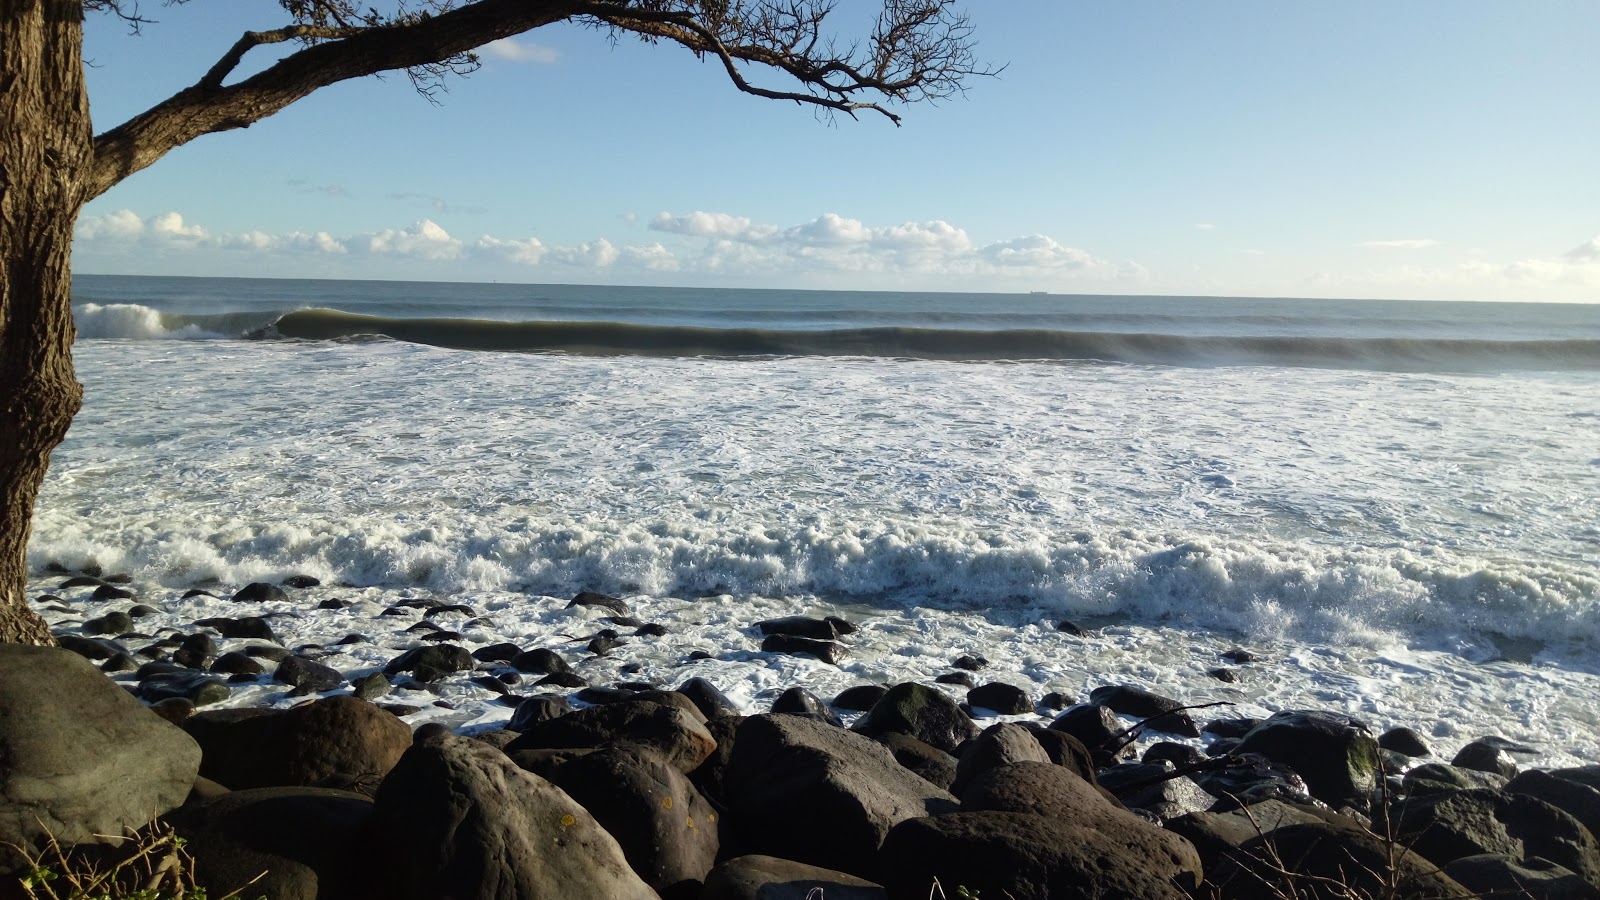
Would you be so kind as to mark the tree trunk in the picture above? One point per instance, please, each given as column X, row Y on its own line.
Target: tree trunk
column 45, row 152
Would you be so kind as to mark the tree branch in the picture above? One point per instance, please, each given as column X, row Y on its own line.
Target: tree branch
column 253, row 39
column 208, row 106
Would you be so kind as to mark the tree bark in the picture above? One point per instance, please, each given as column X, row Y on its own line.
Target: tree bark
column 45, row 152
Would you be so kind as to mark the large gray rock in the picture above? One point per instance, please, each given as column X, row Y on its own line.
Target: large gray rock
column 925, row 713
column 1336, row 755
column 456, row 819
column 1498, row 875
column 666, row 829
column 757, row 877
column 1032, row 857
column 79, row 756
column 1448, row 826
column 673, row 733
column 297, row 840
column 1329, row 862
column 997, row 745
column 1040, row 788
column 341, row 742
column 817, row 794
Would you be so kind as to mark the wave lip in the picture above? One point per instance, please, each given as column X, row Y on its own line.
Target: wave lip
column 133, row 322
column 619, row 338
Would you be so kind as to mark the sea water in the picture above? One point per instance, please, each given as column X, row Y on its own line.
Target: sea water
column 1395, row 506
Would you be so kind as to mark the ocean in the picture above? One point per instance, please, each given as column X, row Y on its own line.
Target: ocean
column 1394, row 505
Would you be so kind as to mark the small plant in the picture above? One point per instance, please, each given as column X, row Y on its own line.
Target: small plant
column 154, row 867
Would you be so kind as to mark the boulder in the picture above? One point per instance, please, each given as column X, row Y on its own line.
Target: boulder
column 1577, row 800
column 1163, row 713
column 435, row 661
column 669, row 731
column 340, row 742
column 538, row 708
column 253, row 627
column 1335, row 754
column 1250, row 778
column 666, row 829
column 1064, row 750
column 706, row 697
column 817, row 794
column 827, row 651
column 1436, row 778
column 1032, row 857
column 456, row 818
column 997, row 745
column 1404, row 740
column 799, row 701
column 259, row 592
column 860, row 698
column 198, row 688
column 1005, row 699
column 1330, row 861
column 1448, row 826
column 800, row 626
column 540, row 660
column 305, row 676
column 927, row 762
column 110, row 623
column 590, row 598
column 1486, row 756
column 236, row 663
column 708, row 776
column 1153, row 788
column 1498, row 875
column 79, row 756
column 925, row 713
column 1097, row 728
column 196, row 651
column 757, row 877
column 296, row 840
column 1038, row 788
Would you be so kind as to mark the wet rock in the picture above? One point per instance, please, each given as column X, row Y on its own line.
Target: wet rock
column 970, row 663
column 197, row 687
column 459, row 819
column 267, row 652
column 1057, row 701
column 1491, row 755
column 1032, row 857
column 1252, row 778
column 1335, row 754
column 540, row 660
column 504, row 652
column 110, row 623
column 119, row 662
column 236, row 663
column 997, row 745
column 538, row 708
column 301, row 582
column 1239, row 656
column 449, row 608
column 960, row 679
column 817, row 794
column 1180, row 755
column 1404, row 740
column 249, row 627
column 922, row 712
column 80, row 581
column 860, row 698
column 562, row 679
column 332, row 603
column 1097, row 728
column 1438, row 778
column 1163, row 713
column 1005, row 699
column 1499, row 875
column 1448, row 826
column 590, row 598
column 927, row 762
column 140, row 610
column 1230, row 728
column 439, row 658
column 107, row 592
column 827, row 651
column 1071, row 628
column 340, row 742
column 669, row 731
column 800, row 626
column 711, row 702
column 259, row 592
column 651, row 629
column 1226, row 676
column 89, row 648
column 81, row 757
column 196, row 592
column 1576, row 799
column 757, row 877
column 799, row 701
column 307, row 677
column 370, row 687
column 196, row 651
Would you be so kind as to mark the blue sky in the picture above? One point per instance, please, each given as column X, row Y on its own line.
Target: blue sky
column 1427, row 150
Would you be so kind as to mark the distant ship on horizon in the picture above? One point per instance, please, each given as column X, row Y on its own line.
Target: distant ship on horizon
column 1038, row 292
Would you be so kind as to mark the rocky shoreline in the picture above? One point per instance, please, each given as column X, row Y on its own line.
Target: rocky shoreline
column 630, row 789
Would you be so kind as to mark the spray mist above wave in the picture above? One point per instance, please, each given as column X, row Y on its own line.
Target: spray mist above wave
column 131, row 321
column 617, row 339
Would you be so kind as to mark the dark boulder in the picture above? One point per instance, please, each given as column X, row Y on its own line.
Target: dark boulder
column 301, row 582
column 711, row 702
column 371, row 686
column 538, row 708
column 827, row 651
column 196, row 651
column 1039, row 788
column 503, row 652
column 666, row 829
column 1250, row 778
column 1031, row 857
column 249, row 627
column 757, row 877
column 1098, row 729
column 1577, row 800
column 456, row 818
column 995, row 746
column 341, row 742
column 79, row 756
column 1448, row 826
column 860, row 698
column 1163, row 713
column 1404, row 740
column 110, row 623
column 108, row 592
column 295, row 840
column 708, row 776
column 1486, row 756
column 960, row 679
column 1236, row 727
column 237, row 663
column 1437, row 778
column 1005, row 699
column 590, row 598
column 1333, row 862
column 259, row 592
column 1335, row 754
column 1180, row 755
column 817, row 794
column 799, row 701
column 197, row 687
column 676, row 735
column 800, row 626
column 1153, row 788
column 925, row 713
column 305, row 676
column 90, row 648
column 437, row 660
column 1498, row 875
column 927, row 762
column 541, row 660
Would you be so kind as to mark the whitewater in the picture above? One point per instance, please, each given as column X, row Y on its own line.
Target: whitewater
column 1395, row 506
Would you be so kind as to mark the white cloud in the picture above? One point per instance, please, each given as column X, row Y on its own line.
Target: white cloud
column 122, row 225
column 653, row 257
column 169, row 226
column 528, row 252
column 713, row 224
column 1586, row 252
column 1404, row 244
column 423, row 240
column 517, row 51
column 596, row 254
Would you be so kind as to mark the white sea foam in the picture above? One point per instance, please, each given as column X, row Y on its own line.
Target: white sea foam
column 1375, row 530
column 129, row 321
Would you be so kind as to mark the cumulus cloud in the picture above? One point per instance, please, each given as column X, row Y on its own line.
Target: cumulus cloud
column 122, row 225
column 422, row 240
column 1586, row 252
column 596, row 254
column 1403, row 244
column 520, row 51
column 527, row 252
